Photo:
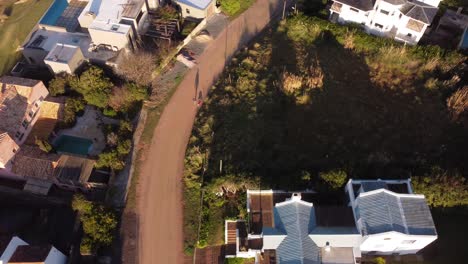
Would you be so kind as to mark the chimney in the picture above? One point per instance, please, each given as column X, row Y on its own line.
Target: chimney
column 296, row 197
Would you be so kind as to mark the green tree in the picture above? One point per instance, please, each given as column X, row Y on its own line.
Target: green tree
column 442, row 189
column 72, row 107
column 335, row 178
column 81, row 205
column 123, row 148
column 94, row 86
column 125, row 128
column 98, row 221
column 379, row 260
column 59, row 84
column 110, row 160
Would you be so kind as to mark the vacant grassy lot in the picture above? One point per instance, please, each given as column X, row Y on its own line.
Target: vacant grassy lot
column 311, row 96
column 19, row 21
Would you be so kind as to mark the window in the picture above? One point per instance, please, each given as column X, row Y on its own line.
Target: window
column 21, row 136
column 377, row 7
column 384, row 12
column 378, row 25
column 409, row 35
column 408, row 241
column 400, row 15
column 25, row 124
column 31, row 114
column 17, row 134
column 187, row 11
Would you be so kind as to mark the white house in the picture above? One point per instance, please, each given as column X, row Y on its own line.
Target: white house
column 381, row 218
column 196, row 9
column 115, row 23
column 403, row 20
column 390, row 217
column 19, row 251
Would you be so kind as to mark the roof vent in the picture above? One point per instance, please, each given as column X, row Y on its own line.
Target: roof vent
column 296, row 197
column 327, row 247
column 115, row 27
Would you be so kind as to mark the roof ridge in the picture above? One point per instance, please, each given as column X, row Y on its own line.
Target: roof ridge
column 402, row 213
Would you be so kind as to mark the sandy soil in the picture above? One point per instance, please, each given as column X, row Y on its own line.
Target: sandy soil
column 159, row 198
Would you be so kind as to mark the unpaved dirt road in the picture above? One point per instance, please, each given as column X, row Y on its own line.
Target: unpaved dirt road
column 159, row 190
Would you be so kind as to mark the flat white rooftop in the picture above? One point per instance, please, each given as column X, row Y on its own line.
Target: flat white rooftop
column 108, row 13
column 62, row 53
column 47, row 39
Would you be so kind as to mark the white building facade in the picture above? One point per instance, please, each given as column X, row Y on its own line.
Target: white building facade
column 403, row 20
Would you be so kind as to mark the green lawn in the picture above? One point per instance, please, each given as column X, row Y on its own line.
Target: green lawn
column 309, row 97
column 234, row 8
column 15, row 29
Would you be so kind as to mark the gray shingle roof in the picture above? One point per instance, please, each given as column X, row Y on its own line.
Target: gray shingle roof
column 419, row 11
column 385, row 211
column 296, row 220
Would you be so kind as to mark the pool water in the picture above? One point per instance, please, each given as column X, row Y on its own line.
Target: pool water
column 73, row 145
column 54, row 12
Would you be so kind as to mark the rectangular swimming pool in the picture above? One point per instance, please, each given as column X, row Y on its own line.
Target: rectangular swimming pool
column 73, row 145
column 54, row 12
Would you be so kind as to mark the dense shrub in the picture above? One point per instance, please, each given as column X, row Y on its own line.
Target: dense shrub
column 73, row 106
column 94, row 86
column 44, row 145
column 138, row 67
column 123, row 99
column 59, row 84
column 442, row 189
column 335, row 179
column 98, row 222
column 119, row 144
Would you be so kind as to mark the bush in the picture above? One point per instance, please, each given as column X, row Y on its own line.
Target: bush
column 110, row 160
column 109, row 112
column 124, row 98
column 123, row 148
column 94, row 86
column 138, row 67
column 44, row 145
column 73, row 106
column 98, row 222
column 167, row 12
column 442, row 189
column 59, row 84
column 379, row 260
column 335, row 179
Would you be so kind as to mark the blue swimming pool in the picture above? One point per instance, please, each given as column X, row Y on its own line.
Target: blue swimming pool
column 464, row 44
column 54, row 12
column 73, row 145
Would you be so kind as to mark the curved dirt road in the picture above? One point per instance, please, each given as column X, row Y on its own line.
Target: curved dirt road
column 160, row 188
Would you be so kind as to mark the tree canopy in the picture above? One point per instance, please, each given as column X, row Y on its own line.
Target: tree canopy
column 94, row 86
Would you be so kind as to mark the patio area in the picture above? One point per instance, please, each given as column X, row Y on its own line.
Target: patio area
column 90, row 126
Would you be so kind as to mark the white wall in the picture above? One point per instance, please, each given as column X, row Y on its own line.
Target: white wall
column 342, row 240
column 195, row 12
column 70, row 67
column 272, row 242
column 109, row 38
column 347, row 15
column 55, row 257
column 393, row 242
column 11, row 248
